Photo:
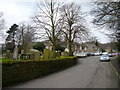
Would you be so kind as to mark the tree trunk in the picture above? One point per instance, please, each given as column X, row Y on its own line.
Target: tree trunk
column 70, row 41
column 70, row 48
column 53, row 28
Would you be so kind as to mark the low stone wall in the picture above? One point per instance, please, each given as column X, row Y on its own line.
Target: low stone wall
column 20, row 71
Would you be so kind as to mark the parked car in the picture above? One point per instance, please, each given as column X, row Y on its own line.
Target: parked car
column 75, row 53
column 82, row 55
column 105, row 53
column 92, row 54
column 110, row 55
column 97, row 54
column 104, row 58
column 88, row 53
column 114, row 54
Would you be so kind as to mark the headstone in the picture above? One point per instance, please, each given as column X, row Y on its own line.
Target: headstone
column 50, row 48
column 46, row 47
column 66, row 50
column 7, row 53
column 46, row 53
column 19, row 56
column 57, row 54
column 64, row 53
column 35, row 54
column 22, row 51
column 51, row 54
column 15, row 53
column 27, row 47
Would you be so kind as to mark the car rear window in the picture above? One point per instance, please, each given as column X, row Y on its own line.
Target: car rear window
column 105, row 55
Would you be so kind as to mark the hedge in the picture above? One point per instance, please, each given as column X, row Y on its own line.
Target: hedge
column 19, row 71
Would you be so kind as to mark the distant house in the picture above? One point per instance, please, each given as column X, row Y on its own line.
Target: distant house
column 85, row 47
column 92, row 48
column 109, row 47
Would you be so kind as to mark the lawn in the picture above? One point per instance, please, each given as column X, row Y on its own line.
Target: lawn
column 61, row 57
column 5, row 59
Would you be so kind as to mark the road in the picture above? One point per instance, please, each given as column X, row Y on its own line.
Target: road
column 88, row 73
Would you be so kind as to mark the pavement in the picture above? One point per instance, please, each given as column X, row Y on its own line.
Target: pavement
column 114, row 62
column 88, row 73
column 116, row 67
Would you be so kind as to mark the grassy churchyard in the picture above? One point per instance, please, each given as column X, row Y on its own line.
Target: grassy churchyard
column 5, row 59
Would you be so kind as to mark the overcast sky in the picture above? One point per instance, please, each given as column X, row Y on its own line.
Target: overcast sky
column 16, row 11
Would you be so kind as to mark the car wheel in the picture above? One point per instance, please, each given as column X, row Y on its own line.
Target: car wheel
column 100, row 60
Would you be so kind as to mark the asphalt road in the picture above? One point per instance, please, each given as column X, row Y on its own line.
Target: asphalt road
column 88, row 73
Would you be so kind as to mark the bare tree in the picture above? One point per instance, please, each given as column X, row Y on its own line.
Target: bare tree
column 108, row 14
column 73, row 27
column 25, row 35
column 2, row 26
column 2, row 22
column 20, row 33
column 47, row 19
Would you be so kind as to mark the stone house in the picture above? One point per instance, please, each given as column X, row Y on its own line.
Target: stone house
column 85, row 47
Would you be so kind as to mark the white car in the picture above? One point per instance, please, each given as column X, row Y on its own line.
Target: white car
column 82, row 55
column 104, row 58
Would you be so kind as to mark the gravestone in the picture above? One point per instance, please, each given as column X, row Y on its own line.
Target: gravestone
column 46, row 54
column 27, row 47
column 50, row 48
column 65, row 53
column 66, row 50
column 34, row 54
column 19, row 56
column 57, row 54
column 51, row 54
column 15, row 53
column 22, row 51
column 7, row 53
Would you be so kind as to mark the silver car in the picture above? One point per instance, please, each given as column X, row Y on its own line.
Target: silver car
column 104, row 58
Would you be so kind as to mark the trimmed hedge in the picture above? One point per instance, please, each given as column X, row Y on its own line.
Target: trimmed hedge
column 20, row 71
